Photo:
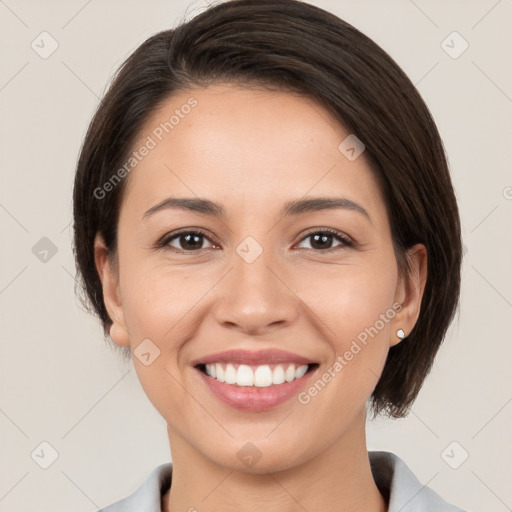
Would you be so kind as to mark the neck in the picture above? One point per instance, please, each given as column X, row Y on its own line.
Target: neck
column 338, row 479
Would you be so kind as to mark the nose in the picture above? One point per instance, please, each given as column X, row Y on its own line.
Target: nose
column 254, row 297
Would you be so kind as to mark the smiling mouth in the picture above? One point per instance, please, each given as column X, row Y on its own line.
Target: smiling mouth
column 261, row 376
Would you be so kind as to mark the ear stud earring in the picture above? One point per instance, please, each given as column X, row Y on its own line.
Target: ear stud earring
column 400, row 333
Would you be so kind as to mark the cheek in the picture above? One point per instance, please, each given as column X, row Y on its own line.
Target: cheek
column 158, row 300
column 158, row 304
column 355, row 306
column 351, row 298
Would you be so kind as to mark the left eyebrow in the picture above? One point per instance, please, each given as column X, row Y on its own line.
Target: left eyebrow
column 315, row 204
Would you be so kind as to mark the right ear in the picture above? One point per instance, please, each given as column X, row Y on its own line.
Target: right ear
column 110, row 284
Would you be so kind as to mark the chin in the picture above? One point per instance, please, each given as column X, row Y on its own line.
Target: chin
column 261, row 455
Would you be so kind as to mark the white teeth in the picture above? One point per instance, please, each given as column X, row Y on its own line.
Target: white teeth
column 244, row 376
column 289, row 374
column 210, row 370
column 219, row 370
column 278, row 375
column 260, row 376
column 230, row 375
column 300, row 371
column 263, row 376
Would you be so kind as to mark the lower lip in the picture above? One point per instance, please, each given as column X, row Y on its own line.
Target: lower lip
column 252, row 398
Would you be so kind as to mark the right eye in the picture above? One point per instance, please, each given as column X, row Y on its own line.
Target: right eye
column 185, row 241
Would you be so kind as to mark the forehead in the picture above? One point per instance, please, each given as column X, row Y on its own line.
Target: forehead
column 242, row 144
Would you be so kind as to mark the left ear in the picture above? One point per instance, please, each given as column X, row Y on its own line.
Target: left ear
column 410, row 292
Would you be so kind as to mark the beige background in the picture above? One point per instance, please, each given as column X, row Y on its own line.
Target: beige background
column 60, row 384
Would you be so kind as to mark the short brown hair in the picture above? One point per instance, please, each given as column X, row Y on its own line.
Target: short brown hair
column 293, row 46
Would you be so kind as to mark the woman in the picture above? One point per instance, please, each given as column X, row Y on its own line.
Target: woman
column 265, row 223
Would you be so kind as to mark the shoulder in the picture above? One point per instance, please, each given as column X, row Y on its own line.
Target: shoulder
column 406, row 493
column 148, row 495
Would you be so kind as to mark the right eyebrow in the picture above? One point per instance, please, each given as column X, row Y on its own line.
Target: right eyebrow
column 189, row 203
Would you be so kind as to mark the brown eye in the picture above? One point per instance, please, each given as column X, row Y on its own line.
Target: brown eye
column 323, row 240
column 186, row 241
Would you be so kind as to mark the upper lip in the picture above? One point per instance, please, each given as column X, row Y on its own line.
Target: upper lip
column 260, row 357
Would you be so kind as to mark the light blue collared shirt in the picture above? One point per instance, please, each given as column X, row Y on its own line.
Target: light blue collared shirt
column 391, row 474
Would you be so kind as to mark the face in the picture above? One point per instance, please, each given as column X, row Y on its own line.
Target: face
column 269, row 282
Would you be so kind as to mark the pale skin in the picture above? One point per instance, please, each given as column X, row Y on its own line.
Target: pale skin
column 252, row 151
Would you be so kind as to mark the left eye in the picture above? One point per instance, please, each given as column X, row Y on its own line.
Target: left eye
column 322, row 240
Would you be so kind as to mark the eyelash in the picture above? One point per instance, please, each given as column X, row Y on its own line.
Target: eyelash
column 165, row 240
